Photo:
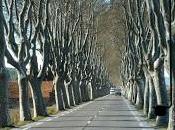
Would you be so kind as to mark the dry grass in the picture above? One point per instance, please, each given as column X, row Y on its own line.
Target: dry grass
column 52, row 110
column 14, row 115
column 4, row 128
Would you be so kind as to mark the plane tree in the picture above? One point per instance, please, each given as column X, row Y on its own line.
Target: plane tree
column 40, row 45
column 59, row 35
column 27, row 32
column 72, row 50
column 17, row 52
column 146, row 54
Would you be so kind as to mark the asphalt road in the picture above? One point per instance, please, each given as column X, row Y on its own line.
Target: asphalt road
column 107, row 113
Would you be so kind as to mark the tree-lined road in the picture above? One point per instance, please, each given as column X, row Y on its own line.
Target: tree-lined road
column 107, row 113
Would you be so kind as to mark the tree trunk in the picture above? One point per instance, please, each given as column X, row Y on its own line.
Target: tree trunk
column 38, row 104
column 152, row 99
column 58, row 94
column 24, row 106
column 90, row 93
column 161, row 94
column 98, row 90
column 77, row 92
column 65, row 92
column 146, row 97
column 4, row 115
column 87, row 91
column 134, row 93
column 94, row 92
column 71, row 95
column 83, row 89
column 75, row 89
column 171, row 125
column 129, row 91
column 139, row 101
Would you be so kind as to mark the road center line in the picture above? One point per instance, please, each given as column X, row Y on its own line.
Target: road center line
column 60, row 114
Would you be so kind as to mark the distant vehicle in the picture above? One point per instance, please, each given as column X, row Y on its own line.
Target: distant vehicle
column 115, row 91
column 112, row 91
column 118, row 92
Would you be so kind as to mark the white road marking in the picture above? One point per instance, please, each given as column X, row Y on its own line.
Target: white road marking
column 141, row 124
column 27, row 127
column 39, row 123
column 49, row 119
column 88, row 122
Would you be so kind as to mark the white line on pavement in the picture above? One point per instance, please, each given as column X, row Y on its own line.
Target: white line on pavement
column 88, row 122
column 49, row 119
column 39, row 123
column 141, row 124
column 27, row 127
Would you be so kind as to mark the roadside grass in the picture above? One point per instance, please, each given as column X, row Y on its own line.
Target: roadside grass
column 4, row 128
column 52, row 110
column 22, row 123
column 14, row 114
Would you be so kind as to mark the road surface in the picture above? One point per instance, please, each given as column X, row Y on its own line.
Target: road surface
column 106, row 113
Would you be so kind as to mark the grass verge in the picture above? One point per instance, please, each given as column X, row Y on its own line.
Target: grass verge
column 14, row 114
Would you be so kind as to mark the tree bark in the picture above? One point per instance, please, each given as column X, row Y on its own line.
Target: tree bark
column 134, row 92
column 146, row 97
column 83, row 88
column 77, row 92
column 65, row 92
column 161, row 92
column 58, row 94
column 140, row 99
column 71, row 95
column 171, row 124
column 90, row 91
column 24, row 106
column 130, row 91
column 152, row 99
column 39, row 104
column 4, row 115
column 94, row 92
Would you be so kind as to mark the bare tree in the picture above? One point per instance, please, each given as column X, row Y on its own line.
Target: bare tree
column 148, row 36
column 18, row 26
column 37, row 73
